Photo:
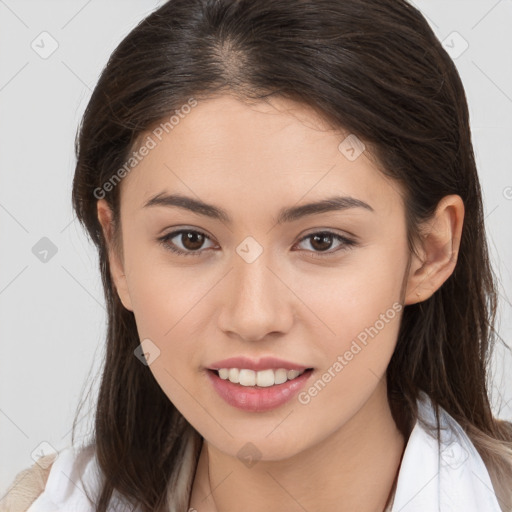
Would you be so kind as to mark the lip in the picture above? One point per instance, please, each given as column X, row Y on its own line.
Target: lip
column 254, row 398
column 265, row 363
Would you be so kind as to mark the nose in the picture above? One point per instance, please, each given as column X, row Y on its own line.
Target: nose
column 255, row 301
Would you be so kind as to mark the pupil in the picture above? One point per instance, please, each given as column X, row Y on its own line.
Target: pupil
column 193, row 240
column 324, row 238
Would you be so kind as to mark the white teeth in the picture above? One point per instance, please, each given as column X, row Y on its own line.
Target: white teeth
column 280, row 376
column 265, row 378
column 262, row 378
column 233, row 374
column 247, row 378
column 292, row 374
column 224, row 373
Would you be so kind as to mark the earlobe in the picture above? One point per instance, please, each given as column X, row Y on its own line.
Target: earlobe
column 115, row 264
column 440, row 242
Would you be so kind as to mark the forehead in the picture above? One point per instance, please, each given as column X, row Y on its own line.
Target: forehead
column 257, row 153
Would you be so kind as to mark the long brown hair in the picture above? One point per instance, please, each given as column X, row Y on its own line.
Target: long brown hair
column 372, row 67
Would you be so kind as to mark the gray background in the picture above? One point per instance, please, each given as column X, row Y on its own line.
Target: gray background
column 52, row 315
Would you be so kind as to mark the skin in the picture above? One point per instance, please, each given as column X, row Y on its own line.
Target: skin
column 252, row 160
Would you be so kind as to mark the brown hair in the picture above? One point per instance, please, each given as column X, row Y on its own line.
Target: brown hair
column 374, row 68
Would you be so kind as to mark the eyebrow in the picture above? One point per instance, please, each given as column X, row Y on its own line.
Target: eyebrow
column 290, row 214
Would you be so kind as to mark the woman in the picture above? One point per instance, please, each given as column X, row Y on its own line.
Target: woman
column 300, row 303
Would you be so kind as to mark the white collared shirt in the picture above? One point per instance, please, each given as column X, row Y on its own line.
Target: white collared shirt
column 445, row 477
column 449, row 476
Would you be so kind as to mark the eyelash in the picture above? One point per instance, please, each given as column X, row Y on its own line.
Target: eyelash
column 347, row 243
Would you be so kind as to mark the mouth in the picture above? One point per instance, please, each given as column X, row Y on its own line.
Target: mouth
column 258, row 379
column 258, row 391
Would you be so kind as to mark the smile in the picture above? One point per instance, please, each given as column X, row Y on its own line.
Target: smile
column 262, row 378
column 248, row 395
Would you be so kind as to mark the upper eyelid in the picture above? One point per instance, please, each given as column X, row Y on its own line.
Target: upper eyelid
column 309, row 232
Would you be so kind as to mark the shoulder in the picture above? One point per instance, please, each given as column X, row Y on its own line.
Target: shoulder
column 27, row 485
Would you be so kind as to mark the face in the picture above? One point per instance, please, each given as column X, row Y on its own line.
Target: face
column 319, row 288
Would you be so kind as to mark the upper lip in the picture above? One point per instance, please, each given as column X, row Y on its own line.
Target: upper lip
column 264, row 363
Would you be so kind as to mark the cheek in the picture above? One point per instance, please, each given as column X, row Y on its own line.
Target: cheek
column 355, row 293
column 357, row 313
column 165, row 306
column 167, row 311
column 160, row 293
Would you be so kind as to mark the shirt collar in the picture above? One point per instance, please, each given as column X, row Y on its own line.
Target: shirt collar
column 443, row 476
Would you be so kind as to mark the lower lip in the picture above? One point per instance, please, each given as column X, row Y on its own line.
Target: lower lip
column 254, row 398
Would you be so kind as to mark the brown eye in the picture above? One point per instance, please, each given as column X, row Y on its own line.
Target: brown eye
column 191, row 242
column 322, row 241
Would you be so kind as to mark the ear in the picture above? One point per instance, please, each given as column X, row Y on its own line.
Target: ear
column 116, row 264
column 440, row 242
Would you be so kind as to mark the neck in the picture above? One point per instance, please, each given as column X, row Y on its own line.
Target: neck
column 364, row 455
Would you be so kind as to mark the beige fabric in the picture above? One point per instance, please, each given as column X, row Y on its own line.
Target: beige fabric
column 27, row 486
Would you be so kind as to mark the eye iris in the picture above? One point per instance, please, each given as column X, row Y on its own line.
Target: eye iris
column 197, row 240
column 323, row 238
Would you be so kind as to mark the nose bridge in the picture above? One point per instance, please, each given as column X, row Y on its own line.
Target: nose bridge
column 255, row 302
column 253, row 280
